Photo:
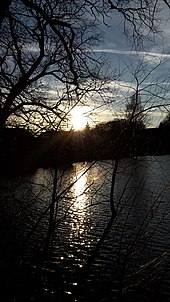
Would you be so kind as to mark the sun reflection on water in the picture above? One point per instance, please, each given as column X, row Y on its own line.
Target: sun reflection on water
column 79, row 204
column 79, row 190
column 83, row 212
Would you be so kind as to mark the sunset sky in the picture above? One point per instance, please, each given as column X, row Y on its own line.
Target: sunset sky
column 154, row 55
column 150, row 65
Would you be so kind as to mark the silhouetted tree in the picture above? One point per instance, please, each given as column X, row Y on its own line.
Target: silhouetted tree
column 166, row 122
column 46, row 42
column 134, row 111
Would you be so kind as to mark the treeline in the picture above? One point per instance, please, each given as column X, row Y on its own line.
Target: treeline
column 116, row 139
column 20, row 151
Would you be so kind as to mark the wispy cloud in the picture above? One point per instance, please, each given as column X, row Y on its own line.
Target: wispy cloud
column 152, row 57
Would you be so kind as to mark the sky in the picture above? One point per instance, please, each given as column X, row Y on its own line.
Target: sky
column 148, row 68
column 150, row 64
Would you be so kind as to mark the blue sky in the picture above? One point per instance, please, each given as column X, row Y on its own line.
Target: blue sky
column 150, row 64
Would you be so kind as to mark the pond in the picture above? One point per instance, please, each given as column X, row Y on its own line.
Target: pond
column 133, row 263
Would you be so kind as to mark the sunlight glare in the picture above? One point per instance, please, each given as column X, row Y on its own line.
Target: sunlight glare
column 78, row 118
column 79, row 190
column 79, row 205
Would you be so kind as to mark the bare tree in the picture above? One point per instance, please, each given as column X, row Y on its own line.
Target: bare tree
column 46, row 40
column 43, row 42
column 46, row 44
column 134, row 110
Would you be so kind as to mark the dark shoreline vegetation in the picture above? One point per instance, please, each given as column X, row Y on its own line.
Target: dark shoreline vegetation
column 21, row 152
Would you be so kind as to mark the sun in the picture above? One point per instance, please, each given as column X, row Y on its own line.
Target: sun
column 78, row 118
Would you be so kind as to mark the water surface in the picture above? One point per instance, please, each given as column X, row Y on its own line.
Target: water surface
column 134, row 258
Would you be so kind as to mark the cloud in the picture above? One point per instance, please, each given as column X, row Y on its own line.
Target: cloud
column 151, row 57
column 123, row 86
